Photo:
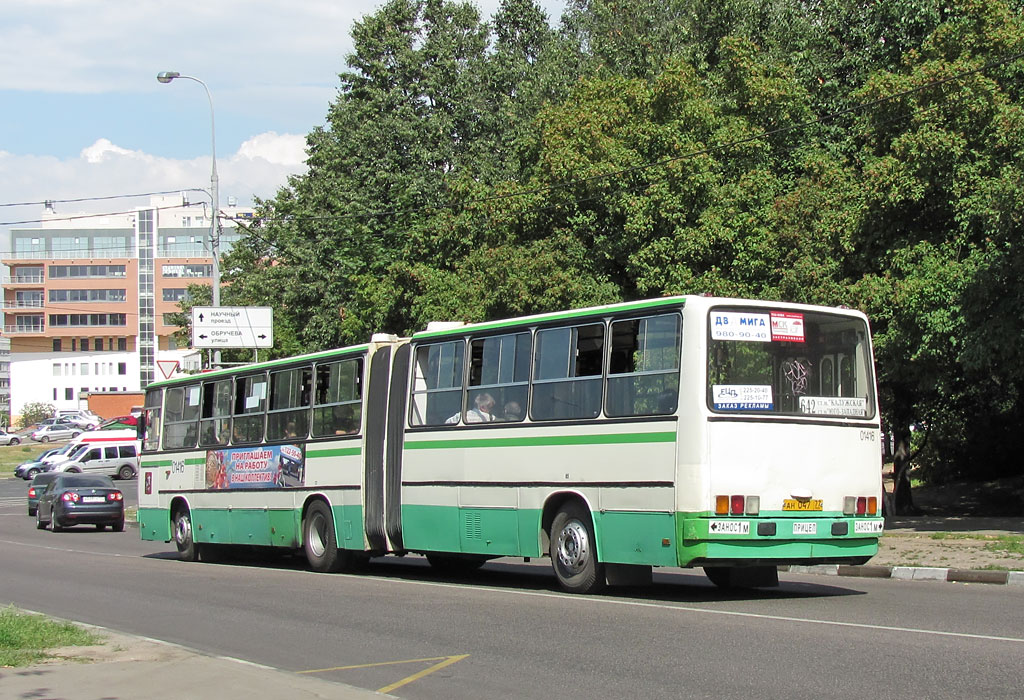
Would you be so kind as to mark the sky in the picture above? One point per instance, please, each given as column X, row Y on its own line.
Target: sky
column 82, row 114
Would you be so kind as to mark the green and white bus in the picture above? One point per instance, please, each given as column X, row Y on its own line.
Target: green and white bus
column 728, row 434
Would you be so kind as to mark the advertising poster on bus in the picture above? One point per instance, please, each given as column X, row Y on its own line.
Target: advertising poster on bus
column 257, row 467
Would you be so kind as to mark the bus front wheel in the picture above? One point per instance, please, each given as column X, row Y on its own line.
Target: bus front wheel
column 184, row 538
column 320, row 541
column 574, row 551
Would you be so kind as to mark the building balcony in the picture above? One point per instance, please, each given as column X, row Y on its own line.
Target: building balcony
column 21, row 305
column 35, row 280
column 18, row 329
column 77, row 254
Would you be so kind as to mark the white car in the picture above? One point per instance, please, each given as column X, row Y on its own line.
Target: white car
column 56, row 431
column 7, row 438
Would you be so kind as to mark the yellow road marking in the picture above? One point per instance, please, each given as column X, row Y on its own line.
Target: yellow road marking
column 444, row 661
column 427, row 671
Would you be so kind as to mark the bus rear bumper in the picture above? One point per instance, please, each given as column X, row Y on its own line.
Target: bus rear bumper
column 706, row 541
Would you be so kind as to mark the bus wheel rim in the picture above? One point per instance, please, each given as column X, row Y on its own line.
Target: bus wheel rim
column 574, row 546
column 317, row 533
column 183, row 531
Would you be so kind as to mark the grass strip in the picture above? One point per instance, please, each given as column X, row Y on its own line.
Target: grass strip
column 24, row 637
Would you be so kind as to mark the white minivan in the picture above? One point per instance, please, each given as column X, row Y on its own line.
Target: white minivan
column 111, row 452
column 119, row 459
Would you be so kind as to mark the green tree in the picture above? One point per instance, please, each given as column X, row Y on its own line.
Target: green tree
column 35, row 412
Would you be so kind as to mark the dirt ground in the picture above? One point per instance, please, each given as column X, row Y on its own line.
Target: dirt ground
column 960, row 525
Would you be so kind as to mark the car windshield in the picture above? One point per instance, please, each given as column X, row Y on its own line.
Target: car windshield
column 80, row 480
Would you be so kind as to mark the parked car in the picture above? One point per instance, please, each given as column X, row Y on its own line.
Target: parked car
column 56, row 431
column 31, row 467
column 7, row 438
column 80, row 499
column 38, row 485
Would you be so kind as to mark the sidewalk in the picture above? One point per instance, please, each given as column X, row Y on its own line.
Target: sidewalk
column 925, row 526
column 143, row 669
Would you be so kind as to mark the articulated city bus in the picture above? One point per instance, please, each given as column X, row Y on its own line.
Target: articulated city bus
column 728, row 434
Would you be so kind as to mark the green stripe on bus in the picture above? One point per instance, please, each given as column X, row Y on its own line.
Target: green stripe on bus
column 543, row 441
column 527, row 321
column 154, row 463
column 334, row 452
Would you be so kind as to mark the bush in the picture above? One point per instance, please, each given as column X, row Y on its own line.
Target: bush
column 36, row 411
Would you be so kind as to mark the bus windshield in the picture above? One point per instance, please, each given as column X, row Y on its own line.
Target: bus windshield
column 794, row 363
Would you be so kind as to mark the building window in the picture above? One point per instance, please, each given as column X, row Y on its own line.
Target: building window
column 175, row 294
column 56, row 344
column 97, row 344
column 122, row 344
column 122, row 368
column 74, row 345
column 56, row 369
column 69, row 394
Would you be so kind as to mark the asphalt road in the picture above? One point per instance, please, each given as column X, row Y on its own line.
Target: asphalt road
column 507, row 632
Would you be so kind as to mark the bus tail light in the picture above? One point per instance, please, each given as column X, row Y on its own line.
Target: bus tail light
column 737, row 505
column 860, row 505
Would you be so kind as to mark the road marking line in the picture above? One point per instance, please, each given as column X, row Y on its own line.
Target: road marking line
column 444, row 661
column 680, row 608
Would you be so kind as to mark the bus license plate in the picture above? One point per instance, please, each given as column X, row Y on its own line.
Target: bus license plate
column 793, row 504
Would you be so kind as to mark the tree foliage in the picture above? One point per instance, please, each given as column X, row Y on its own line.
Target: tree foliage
column 824, row 151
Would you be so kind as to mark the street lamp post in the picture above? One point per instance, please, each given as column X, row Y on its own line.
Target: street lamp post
column 166, row 77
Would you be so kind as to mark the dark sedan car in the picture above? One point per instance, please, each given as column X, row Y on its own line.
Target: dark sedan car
column 38, row 485
column 28, row 469
column 80, row 499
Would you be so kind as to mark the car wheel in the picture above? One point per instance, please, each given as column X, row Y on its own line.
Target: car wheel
column 75, row 433
column 118, row 526
column 101, row 527
column 55, row 524
column 40, row 523
column 15, row 441
column 31, row 510
column 31, row 473
column 125, row 472
column 188, row 550
column 44, row 438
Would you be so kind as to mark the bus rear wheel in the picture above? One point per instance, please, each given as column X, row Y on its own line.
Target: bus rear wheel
column 320, row 541
column 184, row 538
column 574, row 551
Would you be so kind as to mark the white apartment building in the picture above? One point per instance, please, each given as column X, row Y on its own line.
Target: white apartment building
column 87, row 300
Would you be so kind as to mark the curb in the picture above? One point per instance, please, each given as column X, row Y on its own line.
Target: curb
column 913, row 573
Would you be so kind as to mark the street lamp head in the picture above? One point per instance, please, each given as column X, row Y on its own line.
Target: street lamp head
column 167, row 76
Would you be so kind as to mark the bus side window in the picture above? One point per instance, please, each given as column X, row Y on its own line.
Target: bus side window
column 151, row 421
column 288, row 407
column 567, row 367
column 250, row 403
column 215, row 416
column 437, row 384
column 338, row 398
column 643, row 375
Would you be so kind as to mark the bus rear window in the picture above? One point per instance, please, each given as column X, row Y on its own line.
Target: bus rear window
column 795, row 363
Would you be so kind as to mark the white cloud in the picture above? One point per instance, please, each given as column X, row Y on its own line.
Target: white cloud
column 259, row 168
column 279, row 149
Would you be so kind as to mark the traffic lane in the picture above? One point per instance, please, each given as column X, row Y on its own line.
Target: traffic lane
column 12, row 489
column 527, row 641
